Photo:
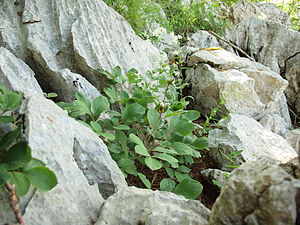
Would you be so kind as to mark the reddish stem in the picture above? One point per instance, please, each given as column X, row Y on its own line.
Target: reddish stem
column 14, row 202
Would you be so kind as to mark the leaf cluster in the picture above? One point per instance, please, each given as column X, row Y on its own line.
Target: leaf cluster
column 149, row 125
column 17, row 166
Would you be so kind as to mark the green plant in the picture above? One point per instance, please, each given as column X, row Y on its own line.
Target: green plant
column 232, row 158
column 139, row 13
column 149, row 126
column 179, row 18
column 188, row 18
column 18, row 169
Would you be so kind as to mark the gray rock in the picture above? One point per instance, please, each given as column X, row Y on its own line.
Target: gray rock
column 84, row 37
column 80, row 160
column 74, row 83
column 268, row 11
column 275, row 46
column 103, row 39
column 210, row 85
column 277, row 118
column 240, row 132
column 293, row 138
column 245, row 92
column 16, row 75
column 215, row 174
column 12, row 36
column 257, row 193
column 203, row 39
column 140, row 206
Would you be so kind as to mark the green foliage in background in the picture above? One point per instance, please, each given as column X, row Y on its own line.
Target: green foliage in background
column 189, row 18
column 293, row 9
column 149, row 126
column 17, row 166
column 171, row 14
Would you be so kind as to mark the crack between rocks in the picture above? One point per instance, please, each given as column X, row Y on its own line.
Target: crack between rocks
column 283, row 69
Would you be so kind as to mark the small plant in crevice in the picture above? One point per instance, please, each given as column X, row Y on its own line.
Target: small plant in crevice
column 146, row 124
column 18, row 169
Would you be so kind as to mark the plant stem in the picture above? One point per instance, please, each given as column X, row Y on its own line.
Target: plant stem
column 14, row 202
column 154, row 177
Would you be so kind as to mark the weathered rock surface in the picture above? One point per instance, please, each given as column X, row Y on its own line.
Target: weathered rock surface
column 275, row 46
column 16, row 75
column 80, row 160
column 293, row 138
column 215, row 174
column 237, row 80
column 83, row 36
column 12, row 35
column 240, row 132
column 268, row 11
column 203, row 39
column 140, row 206
column 277, row 118
column 257, row 193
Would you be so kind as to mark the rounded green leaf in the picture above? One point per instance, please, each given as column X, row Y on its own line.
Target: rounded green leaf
column 133, row 112
column 96, row 127
column 17, row 156
column 167, row 184
column 189, row 188
column 144, row 179
column 141, row 150
column 121, row 127
column 21, row 182
column 117, row 71
column 192, row 115
column 10, row 137
column 184, row 129
column 181, row 176
column 164, row 150
column 153, row 164
column 135, row 139
column 166, row 157
column 51, row 95
column 4, row 176
column 170, row 172
column 181, row 148
column 108, row 136
column 10, row 100
column 183, row 169
column 153, row 118
column 33, row 163
column 42, row 178
column 127, row 165
column 200, row 143
column 99, row 105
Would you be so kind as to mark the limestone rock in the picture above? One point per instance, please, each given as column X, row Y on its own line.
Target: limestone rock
column 203, row 39
column 215, row 174
column 141, row 206
column 210, row 85
column 293, row 138
column 257, row 193
column 83, row 36
column 16, row 75
column 74, row 83
column 268, row 11
column 277, row 118
column 103, row 39
column 240, row 132
column 275, row 46
column 239, row 81
column 80, row 160
column 12, row 35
